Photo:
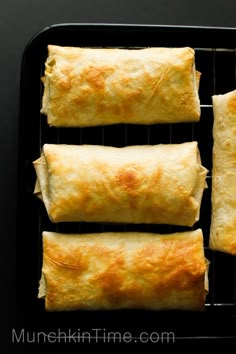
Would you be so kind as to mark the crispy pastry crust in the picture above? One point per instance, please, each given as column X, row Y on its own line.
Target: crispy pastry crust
column 223, row 223
column 135, row 184
column 89, row 87
column 123, row 270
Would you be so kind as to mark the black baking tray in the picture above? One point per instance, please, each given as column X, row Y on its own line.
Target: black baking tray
column 216, row 60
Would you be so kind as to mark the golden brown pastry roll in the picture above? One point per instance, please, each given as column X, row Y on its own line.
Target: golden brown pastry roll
column 134, row 184
column 90, row 87
column 123, row 270
column 223, row 223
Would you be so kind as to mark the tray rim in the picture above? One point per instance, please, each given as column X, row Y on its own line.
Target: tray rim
column 118, row 25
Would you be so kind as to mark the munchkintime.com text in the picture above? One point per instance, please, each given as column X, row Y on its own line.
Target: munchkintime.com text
column 95, row 335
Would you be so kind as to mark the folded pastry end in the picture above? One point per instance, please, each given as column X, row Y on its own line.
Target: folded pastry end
column 42, row 288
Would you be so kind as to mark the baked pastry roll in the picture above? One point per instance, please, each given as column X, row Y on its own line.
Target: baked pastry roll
column 223, row 223
column 123, row 270
column 134, row 184
column 89, row 87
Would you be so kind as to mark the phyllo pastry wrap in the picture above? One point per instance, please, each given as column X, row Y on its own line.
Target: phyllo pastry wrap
column 223, row 222
column 107, row 271
column 95, row 86
column 160, row 184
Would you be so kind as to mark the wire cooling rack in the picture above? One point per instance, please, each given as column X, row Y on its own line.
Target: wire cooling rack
column 215, row 57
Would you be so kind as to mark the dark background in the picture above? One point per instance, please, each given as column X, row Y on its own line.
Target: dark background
column 20, row 20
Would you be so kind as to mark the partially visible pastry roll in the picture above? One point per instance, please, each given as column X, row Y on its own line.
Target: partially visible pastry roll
column 90, row 87
column 160, row 184
column 109, row 271
column 223, row 223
